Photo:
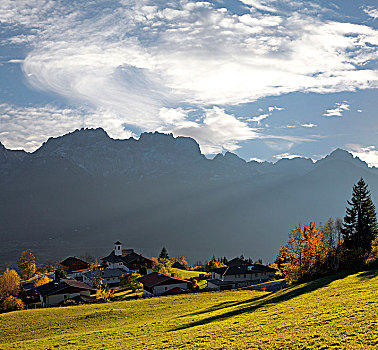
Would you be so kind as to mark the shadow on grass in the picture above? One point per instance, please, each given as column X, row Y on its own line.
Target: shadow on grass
column 265, row 300
column 224, row 305
column 368, row 274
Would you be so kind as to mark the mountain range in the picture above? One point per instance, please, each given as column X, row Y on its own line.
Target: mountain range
column 80, row 192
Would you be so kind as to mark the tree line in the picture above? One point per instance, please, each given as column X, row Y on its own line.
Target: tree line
column 348, row 244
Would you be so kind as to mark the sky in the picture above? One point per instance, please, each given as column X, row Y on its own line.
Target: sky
column 265, row 79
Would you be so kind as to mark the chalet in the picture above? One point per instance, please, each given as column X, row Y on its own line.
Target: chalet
column 56, row 292
column 110, row 277
column 230, row 277
column 127, row 259
column 74, row 267
column 157, row 283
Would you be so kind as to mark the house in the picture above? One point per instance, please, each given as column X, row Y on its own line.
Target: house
column 178, row 265
column 157, row 283
column 127, row 259
column 74, row 267
column 56, row 292
column 110, row 277
column 230, row 277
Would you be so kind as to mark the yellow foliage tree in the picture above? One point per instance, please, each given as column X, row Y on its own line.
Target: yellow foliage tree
column 41, row 281
column 305, row 253
column 26, row 263
column 9, row 283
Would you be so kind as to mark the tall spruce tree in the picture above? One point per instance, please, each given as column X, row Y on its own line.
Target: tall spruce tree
column 360, row 222
column 163, row 254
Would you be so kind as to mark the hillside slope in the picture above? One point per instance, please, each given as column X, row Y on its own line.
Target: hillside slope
column 336, row 312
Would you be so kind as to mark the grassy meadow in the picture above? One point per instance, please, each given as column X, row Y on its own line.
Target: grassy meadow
column 336, row 312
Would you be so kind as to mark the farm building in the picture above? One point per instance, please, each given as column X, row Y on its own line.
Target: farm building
column 157, row 283
column 56, row 292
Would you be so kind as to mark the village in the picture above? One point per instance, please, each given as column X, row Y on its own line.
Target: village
column 75, row 281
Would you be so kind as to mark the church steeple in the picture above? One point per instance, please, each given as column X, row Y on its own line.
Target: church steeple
column 118, row 248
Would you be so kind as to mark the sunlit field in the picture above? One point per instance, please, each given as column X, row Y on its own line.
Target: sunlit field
column 336, row 312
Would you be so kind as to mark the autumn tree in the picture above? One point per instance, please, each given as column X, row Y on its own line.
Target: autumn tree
column 161, row 265
column 360, row 223
column 9, row 283
column 129, row 281
column 104, row 294
column 26, row 263
column 332, row 236
column 305, row 253
column 41, row 281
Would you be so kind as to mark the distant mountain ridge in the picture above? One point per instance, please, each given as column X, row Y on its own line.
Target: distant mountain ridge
column 85, row 189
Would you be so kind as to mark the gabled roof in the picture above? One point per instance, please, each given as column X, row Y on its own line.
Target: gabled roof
column 126, row 259
column 59, row 287
column 158, row 278
column 71, row 261
column 118, row 242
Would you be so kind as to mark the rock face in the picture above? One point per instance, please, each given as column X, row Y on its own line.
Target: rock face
column 83, row 190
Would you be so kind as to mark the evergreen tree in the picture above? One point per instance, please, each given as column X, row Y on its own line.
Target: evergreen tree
column 360, row 222
column 163, row 254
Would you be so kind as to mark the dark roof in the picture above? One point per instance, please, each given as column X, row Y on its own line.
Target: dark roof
column 158, row 278
column 126, row 259
column 71, row 260
column 243, row 269
column 59, row 287
column 178, row 265
column 118, row 242
column 237, row 262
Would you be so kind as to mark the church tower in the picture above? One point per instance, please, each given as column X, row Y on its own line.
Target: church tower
column 118, row 248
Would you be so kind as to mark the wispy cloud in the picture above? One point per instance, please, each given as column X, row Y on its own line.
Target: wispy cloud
column 286, row 155
column 309, row 125
column 368, row 154
column 139, row 59
column 371, row 11
column 338, row 110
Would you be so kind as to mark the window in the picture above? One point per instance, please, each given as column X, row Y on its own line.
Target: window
column 166, row 288
column 65, row 296
column 245, row 276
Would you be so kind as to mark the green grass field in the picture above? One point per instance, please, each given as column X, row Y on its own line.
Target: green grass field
column 338, row 312
column 187, row 274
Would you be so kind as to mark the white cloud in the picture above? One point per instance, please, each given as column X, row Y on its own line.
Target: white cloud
column 368, row 154
column 29, row 127
column 309, row 125
column 286, row 155
column 256, row 160
column 217, row 131
column 338, row 110
column 275, row 108
column 136, row 59
column 259, row 118
column 371, row 11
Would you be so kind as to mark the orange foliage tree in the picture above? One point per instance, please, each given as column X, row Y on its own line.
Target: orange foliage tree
column 305, row 254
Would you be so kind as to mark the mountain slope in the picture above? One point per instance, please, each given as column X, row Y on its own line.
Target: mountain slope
column 81, row 191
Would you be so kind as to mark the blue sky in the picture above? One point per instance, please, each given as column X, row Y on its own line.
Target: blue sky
column 265, row 79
